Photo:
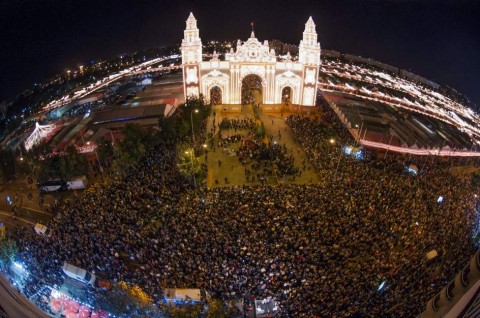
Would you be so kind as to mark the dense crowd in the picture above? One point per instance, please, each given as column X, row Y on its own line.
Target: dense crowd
column 321, row 250
column 399, row 216
column 271, row 156
column 250, row 85
column 215, row 96
column 238, row 124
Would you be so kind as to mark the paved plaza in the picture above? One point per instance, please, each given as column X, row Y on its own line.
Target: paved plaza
column 226, row 169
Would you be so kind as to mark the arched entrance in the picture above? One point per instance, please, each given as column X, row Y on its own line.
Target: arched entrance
column 287, row 95
column 251, row 89
column 215, row 95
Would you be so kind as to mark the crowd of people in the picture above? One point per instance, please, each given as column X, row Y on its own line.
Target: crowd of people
column 238, row 124
column 271, row 156
column 215, row 96
column 320, row 250
column 251, row 86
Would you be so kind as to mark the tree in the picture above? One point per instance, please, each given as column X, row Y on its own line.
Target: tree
column 3, row 233
column 10, row 249
column 7, row 162
column 23, row 165
column 188, row 163
column 132, row 148
column 182, row 311
column 68, row 165
column 179, row 125
column 8, row 246
column 105, row 150
column 139, row 297
column 216, row 309
column 76, row 164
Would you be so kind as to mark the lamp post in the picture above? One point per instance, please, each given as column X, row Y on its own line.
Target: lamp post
column 191, row 121
column 96, row 155
column 193, row 170
column 193, row 148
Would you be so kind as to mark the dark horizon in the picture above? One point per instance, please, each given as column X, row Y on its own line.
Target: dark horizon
column 435, row 39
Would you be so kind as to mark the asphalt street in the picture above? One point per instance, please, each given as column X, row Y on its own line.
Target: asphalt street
column 14, row 304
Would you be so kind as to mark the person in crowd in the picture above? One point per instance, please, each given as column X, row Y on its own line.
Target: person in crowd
column 320, row 249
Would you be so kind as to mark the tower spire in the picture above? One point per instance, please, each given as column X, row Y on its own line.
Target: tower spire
column 310, row 25
column 191, row 22
column 252, row 35
column 191, row 57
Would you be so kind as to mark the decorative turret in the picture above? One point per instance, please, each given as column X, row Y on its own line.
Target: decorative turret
column 309, row 56
column 309, row 49
column 215, row 55
column 191, row 57
column 191, row 44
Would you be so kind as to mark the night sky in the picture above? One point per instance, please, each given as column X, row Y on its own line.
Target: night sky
column 438, row 39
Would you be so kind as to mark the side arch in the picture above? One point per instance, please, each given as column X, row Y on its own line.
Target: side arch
column 287, row 95
column 215, row 96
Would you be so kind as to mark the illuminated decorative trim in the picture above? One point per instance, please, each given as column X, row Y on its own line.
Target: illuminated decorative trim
column 253, row 57
column 308, row 96
column 191, row 75
column 421, row 152
column 192, row 91
column 310, row 76
column 38, row 134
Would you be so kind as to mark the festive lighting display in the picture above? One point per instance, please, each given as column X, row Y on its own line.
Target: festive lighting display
column 142, row 68
column 251, row 57
column 38, row 134
column 418, row 98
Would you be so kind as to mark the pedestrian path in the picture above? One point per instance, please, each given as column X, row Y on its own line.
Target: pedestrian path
column 224, row 167
column 10, row 215
column 277, row 128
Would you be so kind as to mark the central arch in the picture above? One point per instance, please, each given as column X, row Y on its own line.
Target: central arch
column 252, row 89
column 215, row 95
column 287, row 97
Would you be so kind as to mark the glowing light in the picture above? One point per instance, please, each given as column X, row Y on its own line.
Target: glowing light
column 425, row 100
column 37, row 135
column 420, row 152
column 412, row 169
column 355, row 152
column 440, row 199
column 139, row 69
column 382, row 285
column 18, row 265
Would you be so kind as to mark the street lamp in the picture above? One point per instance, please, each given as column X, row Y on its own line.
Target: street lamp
column 332, row 141
column 191, row 121
column 191, row 152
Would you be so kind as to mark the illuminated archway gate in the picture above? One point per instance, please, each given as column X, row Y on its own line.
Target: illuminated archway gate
column 251, row 57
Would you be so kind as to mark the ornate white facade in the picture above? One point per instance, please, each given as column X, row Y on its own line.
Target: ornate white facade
column 251, row 57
